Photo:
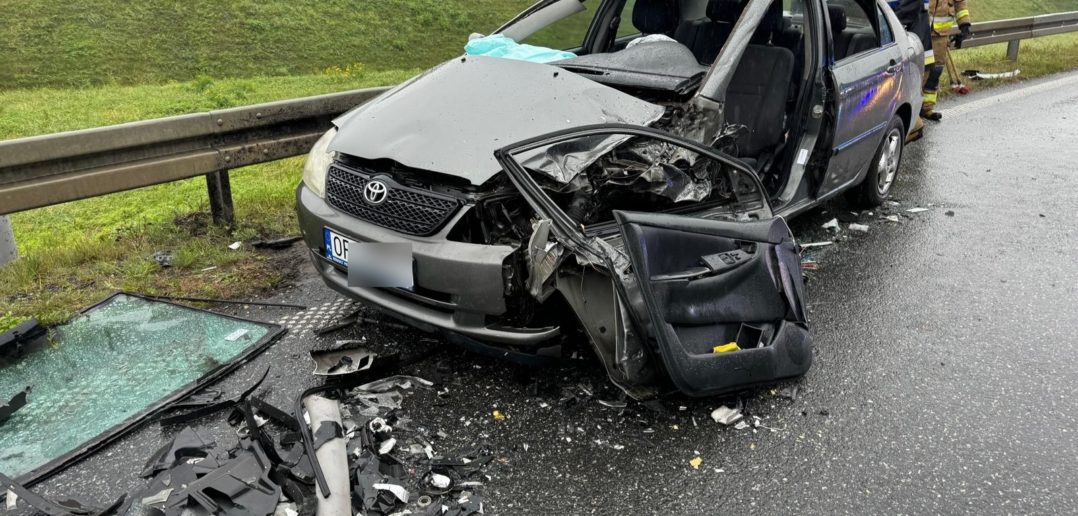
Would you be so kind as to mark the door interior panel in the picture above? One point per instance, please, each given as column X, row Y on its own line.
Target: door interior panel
column 708, row 283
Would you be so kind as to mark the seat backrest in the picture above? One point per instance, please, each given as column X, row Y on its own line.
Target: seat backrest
column 860, row 42
column 706, row 36
column 656, row 16
column 756, row 97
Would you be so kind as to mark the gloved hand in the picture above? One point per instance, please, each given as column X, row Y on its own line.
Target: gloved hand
column 965, row 30
column 957, row 39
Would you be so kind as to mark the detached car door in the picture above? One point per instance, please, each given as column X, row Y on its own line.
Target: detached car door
column 720, row 303
column 723, row 300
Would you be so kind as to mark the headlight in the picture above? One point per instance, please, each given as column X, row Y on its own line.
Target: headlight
column 318, row 162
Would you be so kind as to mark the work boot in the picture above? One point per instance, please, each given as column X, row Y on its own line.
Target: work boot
column 931, row 114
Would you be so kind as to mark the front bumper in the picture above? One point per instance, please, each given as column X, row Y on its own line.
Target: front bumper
column 459, row 286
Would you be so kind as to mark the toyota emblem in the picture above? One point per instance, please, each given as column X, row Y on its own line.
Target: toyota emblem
column 375, row 193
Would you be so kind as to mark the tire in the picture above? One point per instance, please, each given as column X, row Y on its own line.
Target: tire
column 876, row 187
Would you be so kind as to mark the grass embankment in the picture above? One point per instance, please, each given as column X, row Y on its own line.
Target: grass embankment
column 90, row 42
column 1037, row 58
column 74, row 254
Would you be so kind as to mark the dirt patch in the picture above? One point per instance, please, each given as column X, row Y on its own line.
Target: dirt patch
column 195, row 224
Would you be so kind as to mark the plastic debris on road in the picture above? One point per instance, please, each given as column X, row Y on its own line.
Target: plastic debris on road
column 163, row 258
column 726, row 415
column 861, row 228
column 916, row 210
column 695, row 462
column 832, row 225
column 817, row 244
column 978, row 75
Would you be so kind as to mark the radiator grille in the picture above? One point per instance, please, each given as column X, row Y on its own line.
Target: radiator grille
column 407, row 210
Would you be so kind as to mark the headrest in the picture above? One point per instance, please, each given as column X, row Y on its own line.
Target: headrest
column 725, row 11
column 837, row 13
column 656, row 16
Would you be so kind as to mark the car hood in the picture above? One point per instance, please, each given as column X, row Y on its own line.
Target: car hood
column 453, row 117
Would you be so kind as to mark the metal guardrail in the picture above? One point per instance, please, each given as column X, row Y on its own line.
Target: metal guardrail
column 45, row 170
column 1013, row 31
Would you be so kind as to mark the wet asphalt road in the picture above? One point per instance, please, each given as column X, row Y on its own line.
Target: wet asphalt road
column 944, row 377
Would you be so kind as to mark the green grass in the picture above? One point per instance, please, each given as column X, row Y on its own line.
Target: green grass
column 47, row 110
column 1038, row 57
column 74, row 254
column 90, row 42
column 1002, row 9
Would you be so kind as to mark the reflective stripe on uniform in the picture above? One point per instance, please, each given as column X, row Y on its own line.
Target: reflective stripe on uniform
column 930, row 57
column 930, row 97
column 939, row 27
column 964, row 13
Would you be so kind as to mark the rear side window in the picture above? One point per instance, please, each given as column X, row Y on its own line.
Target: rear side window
column 886, row 36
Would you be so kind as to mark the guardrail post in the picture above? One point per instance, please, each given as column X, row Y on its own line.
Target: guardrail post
column 220, row 198
column 1012, row 49
column 8, row 251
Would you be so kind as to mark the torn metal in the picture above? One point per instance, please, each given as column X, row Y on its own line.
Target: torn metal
column 705, row 279
column 341, row 361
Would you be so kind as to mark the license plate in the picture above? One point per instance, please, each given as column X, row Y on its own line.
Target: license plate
column 376, row 264
column 336, row 247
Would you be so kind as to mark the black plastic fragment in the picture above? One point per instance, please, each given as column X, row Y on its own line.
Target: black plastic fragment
column 240, row 486
column 327, row 431
column 13, row 340
column 212, row 407
column 277, row 415
column 198, row 400
column 279, row 243
column 187, row 444
column 18, row 401
column 66, row 507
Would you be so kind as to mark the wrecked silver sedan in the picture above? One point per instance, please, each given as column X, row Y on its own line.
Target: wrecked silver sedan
column 630, row 192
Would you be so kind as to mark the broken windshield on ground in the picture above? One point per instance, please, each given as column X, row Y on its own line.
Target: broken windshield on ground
column 108, row 366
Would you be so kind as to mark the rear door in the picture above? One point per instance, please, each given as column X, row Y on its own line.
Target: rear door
column 867, row 79
column 720, row 302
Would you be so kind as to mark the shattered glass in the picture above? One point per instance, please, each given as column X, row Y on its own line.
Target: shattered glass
column 107, row 366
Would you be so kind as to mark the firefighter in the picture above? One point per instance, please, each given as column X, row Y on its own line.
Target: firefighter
column 944, row 14
column 913, row 14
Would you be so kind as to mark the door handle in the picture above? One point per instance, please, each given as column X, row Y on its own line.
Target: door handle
column 893, row 68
